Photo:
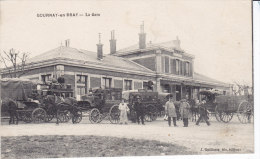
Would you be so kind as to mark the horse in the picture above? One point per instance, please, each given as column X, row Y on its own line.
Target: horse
column 194, row 109
column 9, row 105
column 57, row 104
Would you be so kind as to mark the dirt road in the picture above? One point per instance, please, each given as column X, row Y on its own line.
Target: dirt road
column 233, row 137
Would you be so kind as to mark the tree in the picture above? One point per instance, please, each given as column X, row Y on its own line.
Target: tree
column 17, row 61
column 239, row 88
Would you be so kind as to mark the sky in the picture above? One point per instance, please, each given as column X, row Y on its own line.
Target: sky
column 217, row 32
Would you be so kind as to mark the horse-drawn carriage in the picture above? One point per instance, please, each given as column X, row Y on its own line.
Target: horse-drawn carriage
column 225, row 106
column 101, row 104
column 242, row 105
column 16, row 102
column 38, row 102
column 59, row 102
column 152, row 102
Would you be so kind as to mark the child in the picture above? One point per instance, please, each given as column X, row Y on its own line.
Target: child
column 123, row 112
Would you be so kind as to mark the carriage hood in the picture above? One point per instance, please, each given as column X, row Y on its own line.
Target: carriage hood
column 17, row 89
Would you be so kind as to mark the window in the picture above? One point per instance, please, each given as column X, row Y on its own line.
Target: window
column 187, row 65
column 173, row 66
column 145, row 85
column 106, row 82
column 59, row 70
column 46, row 78
column 82, row 84
column 163, row 64
column 82, row 79
column 128, row 84
column 166, row 64
column 81, row 90
column 177, row 67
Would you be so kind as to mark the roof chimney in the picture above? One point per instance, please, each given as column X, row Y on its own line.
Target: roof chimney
column 99, row 48
column 67, row 43
column 142, row 37
column 112, row 43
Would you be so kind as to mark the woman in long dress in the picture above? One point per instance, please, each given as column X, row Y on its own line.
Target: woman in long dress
column 123, row 112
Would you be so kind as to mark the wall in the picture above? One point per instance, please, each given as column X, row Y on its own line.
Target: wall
column 28, row 73
column 105, row 73
column 148, row 62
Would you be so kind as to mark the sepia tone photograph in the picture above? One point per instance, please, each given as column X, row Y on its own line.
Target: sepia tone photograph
column 127, row 78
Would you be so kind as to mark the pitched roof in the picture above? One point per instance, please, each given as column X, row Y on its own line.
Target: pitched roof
column 173, row 44
column 88, row 57
column 204, row 78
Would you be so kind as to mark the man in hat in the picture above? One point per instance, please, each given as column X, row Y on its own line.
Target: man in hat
column 139, row 108
column 185, row 112
column 171, row 111
column 203, row 113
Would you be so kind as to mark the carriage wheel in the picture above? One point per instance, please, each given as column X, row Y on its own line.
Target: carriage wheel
column 77, row 115
column 38, row 115
column 64, row 115
column 217, row 113
column 95, row 116
column 114, row 114
column 226, row 116
column 151, row 113
column 26, row 117
column 245, row 112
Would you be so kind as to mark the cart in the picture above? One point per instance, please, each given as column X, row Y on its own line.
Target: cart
column 20, row 90
column 102, row 104
column 149, row 99
column 242, row 105
column 58, row 102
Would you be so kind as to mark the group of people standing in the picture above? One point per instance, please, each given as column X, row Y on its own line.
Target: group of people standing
column 170, row 111
column 138, row 107
column 185, row 112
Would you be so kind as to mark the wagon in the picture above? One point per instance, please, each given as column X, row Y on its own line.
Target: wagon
column 20, row 90
column 102, row 104
column 242, row 105
column 149, row 99
column 210, row 97
column 225, row 106
column 64, row 107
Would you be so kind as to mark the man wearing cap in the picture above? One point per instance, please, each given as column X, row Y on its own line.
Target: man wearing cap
column 139, row 108
column 171, row 111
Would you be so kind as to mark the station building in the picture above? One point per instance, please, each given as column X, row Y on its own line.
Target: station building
column 169, row 67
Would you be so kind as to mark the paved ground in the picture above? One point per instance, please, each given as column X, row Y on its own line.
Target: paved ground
column 233, row 137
